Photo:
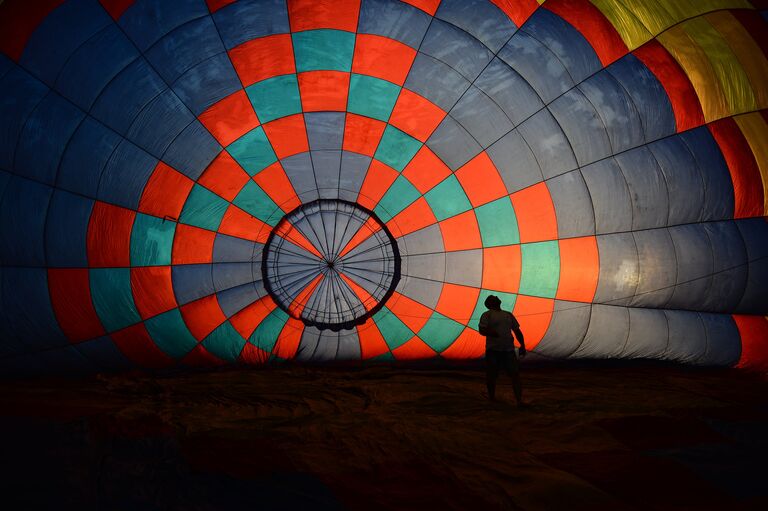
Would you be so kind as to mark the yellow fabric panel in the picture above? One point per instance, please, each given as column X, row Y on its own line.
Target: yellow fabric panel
column 732, row 78
column 755, row 130
column 628, row 25
column 750, row 56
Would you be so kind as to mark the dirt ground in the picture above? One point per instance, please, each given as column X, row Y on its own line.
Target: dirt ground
column 597, row 436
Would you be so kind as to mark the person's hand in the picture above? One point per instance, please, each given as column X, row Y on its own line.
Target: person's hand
column 522, row 352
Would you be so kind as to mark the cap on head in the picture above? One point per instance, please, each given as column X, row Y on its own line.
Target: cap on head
column 493, row 302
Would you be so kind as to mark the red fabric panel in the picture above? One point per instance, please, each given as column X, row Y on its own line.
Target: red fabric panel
column 461, row 232
column 754, row 341
column 591, row 23
column 263, row 58
column 377, row 181
column 414, row 349
column 116, row 8
column 288, row 135
column 224, row 177
column 137, row 345
column 579, row 269
column 457, row 302
column 246, row 321
column 535, row 212
column 192, row 245
column 682, row 95
column 517, row 10
column 152, row 289
column 416, row 115
column 275, row 183
column 289, row 338
column 215, row 5
column 165, row 192
column 240, row 224
column 428, row 6
column 409, row 311
column 362, row 134
column 312, row 14
column 501, row 268
column 253, row 355
column 469, row 344
column 416, row 216
column 534, row 315
column 203, row 316
column 18, row 20
column 201, row 357
column 324, row 91
column 745, row 174
column 382, row 57
column 109, row 236
column 480, row 180
column 425, row 170
column 231, row 118
column 71, row 299
column 372, row 343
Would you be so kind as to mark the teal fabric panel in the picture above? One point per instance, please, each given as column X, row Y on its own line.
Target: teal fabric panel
column 498, row 223
column 399, row 196
column 203, row 209
column 396, row 148
column 448, row 199
column 112, row 297
column 540, row 269
column 372, row 97
column 266, row 334
column 323, row 49
column 275, row 97
column 393, row 330
column 224, row 342
column 171, row 334
column 440, row 332
column 253, row 151
column 255, row 201
column 151, row 241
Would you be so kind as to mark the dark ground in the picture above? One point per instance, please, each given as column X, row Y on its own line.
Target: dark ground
column 604, row 436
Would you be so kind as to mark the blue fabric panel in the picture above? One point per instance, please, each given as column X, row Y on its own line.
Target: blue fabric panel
column 21, row 94
column 22, row 222
column 125, row 176
column 235, row 299
column 127, row 95
column 648, row 334
column 564, row 41
column 718, row 198
column 616, row 110
column 325, row 130
column 549, row 144
column 192, row 151
column 607, row 333
column 229, row 275
column 191, row 281
column 456, row 48
column 65, row 361
column 354, row 167
column 436, row 81
column 393, row 19
column 683, row 178
column 159, row 123
column 693, row 251
column 537, row 65
column 103, row 354
column 515, row 162
column 146, row 21
column 452, row 144
column 184, row 48
column 66, row 230
column 87, row 153
column 509, row 91
column 566, row 331
column 94, row 64
column 483, row 20
column 60, row 34
column 27, row 321
column 647, row 188
column 207, row 83
column 610, row 196
column 6, row 65
column 723, row 340
column 619, row 269
column 730, row 270
column 582, row 126
column 44, row 138
column 481, row 117
column 228, row 249
column 657, row 268
column 755, row 234
column 249, row 19
column 687, row 338
column 649, row 97
column 326, row 165
column 573, row 205
column 298, row 168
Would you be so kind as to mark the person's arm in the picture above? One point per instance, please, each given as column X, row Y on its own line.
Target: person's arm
column 520, row 339
column 483, row 327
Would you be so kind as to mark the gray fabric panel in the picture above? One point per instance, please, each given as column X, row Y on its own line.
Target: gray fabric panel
column 573, row 206
column 548, row 143
column 647, row 188
column 515, row 162
column 566, row 331
column 235, row 299
column 610, row 196
column 453, row 144
column 393, row 19
column 436, row 81
column 298, row 168
column 325, row 130
column 537, row 65
column 483, row 20
column 729, row 273
column 583, row 127
column 354, row 167
column 509, row 91
column 228, row 275
column 456, row 48
column 718, row 198
column 607, row 333
column 426, row 292
column 619, row 270
column 723, row 340
column 427, row 266
column 755, row 234
column 349, row 345
column 424, row 241
column 327, row 347
column 693, row 250
column 481, row 117
column 616, row 110
column 326, row 165
column 658, row 268
column 687, row 338
column 228, row 249
column 683, row 178
column 648, row 334
column 464, row 267
column 308, row 344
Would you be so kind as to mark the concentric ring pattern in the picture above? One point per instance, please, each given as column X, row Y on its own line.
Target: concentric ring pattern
column 601, row 165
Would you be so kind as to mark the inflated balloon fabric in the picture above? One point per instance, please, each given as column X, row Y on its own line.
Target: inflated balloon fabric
column 200, row 183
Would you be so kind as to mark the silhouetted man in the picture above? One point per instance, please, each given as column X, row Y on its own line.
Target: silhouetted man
column 497, row 326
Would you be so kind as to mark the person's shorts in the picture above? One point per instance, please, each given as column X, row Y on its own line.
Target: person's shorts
column 501, row 360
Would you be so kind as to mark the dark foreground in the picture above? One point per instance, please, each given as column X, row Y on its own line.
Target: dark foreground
column 596, row 437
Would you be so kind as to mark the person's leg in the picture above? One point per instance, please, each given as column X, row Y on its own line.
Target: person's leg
column 491, row 373
column 513, row 369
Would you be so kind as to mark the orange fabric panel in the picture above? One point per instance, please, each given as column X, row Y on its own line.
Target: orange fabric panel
column 288, row 341
column 425, row 170
column 377, row 181
column 165, row 192
column 579, row 269
column 323, row 91
column 469, row 344
column 136, row 344
column 152, row 289
column 428, row 6
column 501, row 268
column 203, row 316
column 416, row 115
column 372, row 343
column 461, row 232
column 288, row 135
column 312, row 14
column 517, row 10
column 246, row 321
column 480, row 180
column 414, row 349
column 535, row 214
column 534, row 315
column 366, row 230
column 754, row 341
column 192, row 245
column 224, row 177
column 276, row 184
column 240, row 224
column 201, row 357
column 297, row 306
column 295, row 236
column 262, row 58
column 230, row 118
column 365, row 297
column 253, row 355
column 409, row 311
column 457, row 302
column 70, row 292
column 362, row 134
column 416, row 216
column 382, row 57
column 109, row 236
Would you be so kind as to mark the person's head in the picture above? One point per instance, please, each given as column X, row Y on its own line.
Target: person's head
column 493, row 302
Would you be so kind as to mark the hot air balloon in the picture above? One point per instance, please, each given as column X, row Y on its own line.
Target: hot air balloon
column 199, row 183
